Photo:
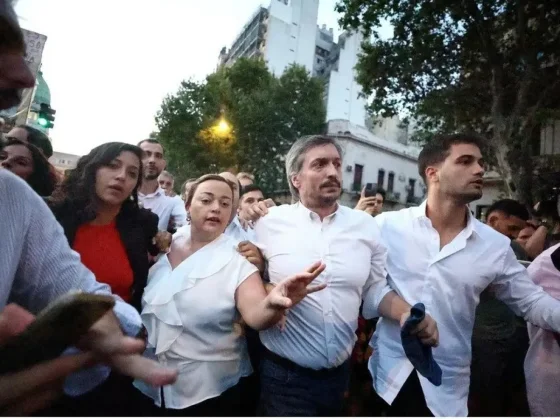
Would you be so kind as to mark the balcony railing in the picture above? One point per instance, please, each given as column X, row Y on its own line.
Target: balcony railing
column 393, row 197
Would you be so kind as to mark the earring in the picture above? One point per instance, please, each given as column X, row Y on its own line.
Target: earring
column 188, row 218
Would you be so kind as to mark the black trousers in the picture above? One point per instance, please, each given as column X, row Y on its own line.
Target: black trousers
column 410, row 401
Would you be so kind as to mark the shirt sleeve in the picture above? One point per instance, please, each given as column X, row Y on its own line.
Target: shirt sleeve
column 179, row 213
column 515, row 287
column 48, row 269
column 376, row 286
column 261, row 236
column 244, row 270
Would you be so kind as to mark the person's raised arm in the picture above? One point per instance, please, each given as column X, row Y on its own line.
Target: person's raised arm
column 515, row 287
column 261, row 311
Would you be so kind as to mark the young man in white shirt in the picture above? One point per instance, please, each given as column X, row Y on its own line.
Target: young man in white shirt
column 440, row 255
column 151, row 195
column 305, row 368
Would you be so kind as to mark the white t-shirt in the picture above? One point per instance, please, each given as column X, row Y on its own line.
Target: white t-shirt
column 192, row 322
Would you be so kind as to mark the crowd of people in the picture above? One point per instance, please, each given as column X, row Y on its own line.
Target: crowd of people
column 228, row 304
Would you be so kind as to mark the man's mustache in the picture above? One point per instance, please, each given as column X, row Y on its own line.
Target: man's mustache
column 331, row 183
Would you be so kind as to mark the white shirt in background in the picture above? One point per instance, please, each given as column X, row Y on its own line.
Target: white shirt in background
column 449, row 282
column 320, row 330
column 238, row 233
column 165, row 207
column 193, row 324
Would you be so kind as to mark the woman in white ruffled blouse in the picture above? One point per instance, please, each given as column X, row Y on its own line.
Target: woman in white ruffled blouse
column 193, row 303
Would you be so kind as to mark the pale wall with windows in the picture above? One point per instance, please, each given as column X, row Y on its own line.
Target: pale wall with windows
column 366, row 153
column 64, row 161
column 291, row 32
column 344, row 100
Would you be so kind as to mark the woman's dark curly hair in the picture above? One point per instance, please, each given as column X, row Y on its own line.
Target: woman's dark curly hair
column 77, row 191
column 43, row 179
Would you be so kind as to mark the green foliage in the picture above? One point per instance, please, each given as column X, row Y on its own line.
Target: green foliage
column 266, row 114
column 490, row 66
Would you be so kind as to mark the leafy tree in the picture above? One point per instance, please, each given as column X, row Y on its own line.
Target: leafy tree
column 486, row 65
column 266, row 115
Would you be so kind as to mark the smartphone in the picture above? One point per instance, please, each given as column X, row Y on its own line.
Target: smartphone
column 370, row 192
column 59, row 326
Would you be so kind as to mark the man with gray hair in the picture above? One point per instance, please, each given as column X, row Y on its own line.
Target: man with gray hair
column 166, row 182
column 305, row 368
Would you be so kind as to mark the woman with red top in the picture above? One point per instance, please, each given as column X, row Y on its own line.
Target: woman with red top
column 97, row 206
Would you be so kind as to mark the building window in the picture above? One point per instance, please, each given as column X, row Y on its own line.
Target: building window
column 411, row 187
column 481, row 212
column 380, row 178
column 390, row 182
column 358, row 173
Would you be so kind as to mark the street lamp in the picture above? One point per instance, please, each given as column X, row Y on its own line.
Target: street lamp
column 223, row 128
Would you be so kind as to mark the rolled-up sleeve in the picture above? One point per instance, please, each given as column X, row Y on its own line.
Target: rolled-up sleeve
column 376, row 286
column 515, row 288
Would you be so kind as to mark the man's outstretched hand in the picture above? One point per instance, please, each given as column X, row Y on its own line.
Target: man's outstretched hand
column 35, row 388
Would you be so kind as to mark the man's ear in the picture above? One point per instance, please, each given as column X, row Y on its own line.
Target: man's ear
column 492, row 220
column 431, row 174
column 295, row 181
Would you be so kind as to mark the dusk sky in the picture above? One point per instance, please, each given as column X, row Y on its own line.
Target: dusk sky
column 110, row 63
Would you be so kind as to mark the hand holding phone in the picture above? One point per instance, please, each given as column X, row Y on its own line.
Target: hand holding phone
column 57, row 327
column 26, row 391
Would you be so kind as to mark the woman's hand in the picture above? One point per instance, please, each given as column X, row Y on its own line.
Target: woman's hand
column 292, row 290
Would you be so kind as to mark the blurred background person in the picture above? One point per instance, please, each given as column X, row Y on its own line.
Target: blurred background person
column 371, row 201
column 527, row 233
column 245, row 179
column 151, row 195
column 499, row 338
column 542, row 364
column 167, row 181
column 250, row 195
column 28, row 162
column 186, row 187
column 31, row 135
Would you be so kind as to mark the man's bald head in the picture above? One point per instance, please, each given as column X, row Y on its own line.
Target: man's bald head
column 236, row 190
column 14, row 72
